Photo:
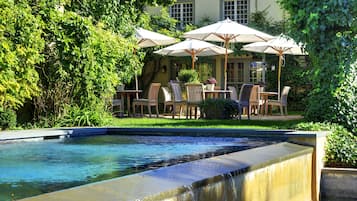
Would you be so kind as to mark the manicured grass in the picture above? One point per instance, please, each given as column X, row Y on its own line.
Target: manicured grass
column 202, row 123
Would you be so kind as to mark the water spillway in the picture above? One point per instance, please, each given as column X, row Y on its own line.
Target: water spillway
column 276, row 172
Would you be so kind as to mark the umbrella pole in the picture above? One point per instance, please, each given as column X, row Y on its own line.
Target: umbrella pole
column 136, row 84
column 193, row 60
column 225, row 65
column 136, row 79
column 279, row 73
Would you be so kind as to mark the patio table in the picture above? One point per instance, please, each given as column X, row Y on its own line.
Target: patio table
column 216, row 93
column 265, row 95
column 128, row 93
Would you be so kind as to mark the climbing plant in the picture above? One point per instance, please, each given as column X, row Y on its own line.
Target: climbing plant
column 84, row 63
column 328, row 28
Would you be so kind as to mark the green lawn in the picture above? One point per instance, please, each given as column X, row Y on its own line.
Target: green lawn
column 202, row 123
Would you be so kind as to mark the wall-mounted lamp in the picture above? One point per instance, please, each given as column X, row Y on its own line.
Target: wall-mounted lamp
column 164, row 69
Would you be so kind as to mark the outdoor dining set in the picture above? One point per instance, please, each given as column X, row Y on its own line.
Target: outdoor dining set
column 251, row 99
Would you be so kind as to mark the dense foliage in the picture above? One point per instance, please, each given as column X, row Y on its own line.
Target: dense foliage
column 119, row 16
column 67, row 56
column 7, row 119
column 83, row 65
column 20, row 47
column 329, row 29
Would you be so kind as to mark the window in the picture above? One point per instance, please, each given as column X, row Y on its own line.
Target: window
column 204, row 66
column 183, row 12
column 236, row 10
column 235, row 73
column 257, row 72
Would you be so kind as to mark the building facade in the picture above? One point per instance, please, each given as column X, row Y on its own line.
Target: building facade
column 240, row 69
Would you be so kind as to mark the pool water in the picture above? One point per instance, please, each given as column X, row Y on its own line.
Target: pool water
column 32, row 168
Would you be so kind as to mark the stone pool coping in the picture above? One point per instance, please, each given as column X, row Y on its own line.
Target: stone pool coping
column 165, row 183
column 34, row 134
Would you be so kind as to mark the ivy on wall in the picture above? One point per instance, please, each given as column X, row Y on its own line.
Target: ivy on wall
column 329, row 30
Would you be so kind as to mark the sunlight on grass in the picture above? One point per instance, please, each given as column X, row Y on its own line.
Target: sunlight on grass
column 202, row 123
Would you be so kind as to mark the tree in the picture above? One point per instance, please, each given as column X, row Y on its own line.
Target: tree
column 119, row 16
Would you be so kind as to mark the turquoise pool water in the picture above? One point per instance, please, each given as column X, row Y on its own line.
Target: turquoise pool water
column 32, row 168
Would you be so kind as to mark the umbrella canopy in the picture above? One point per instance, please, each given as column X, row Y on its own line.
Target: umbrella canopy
column 228, row 31
column 280, row 45
column 148, row 38
column 193, row 48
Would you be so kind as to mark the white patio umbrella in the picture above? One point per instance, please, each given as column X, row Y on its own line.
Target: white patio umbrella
column 279, row 45
column 227, row 31
column 193, row 48
column 148, row 38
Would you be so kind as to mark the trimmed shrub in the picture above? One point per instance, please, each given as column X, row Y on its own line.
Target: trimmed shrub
column 341, row 147
column 218, row 108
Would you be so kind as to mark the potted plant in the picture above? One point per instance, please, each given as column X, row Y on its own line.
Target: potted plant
column 188, row 76
column 210, row 83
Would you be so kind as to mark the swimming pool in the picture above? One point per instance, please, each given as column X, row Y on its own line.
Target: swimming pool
column 32, row 168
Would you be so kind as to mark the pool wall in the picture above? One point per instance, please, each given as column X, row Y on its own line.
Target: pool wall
column 274, row 172
column 193, row 181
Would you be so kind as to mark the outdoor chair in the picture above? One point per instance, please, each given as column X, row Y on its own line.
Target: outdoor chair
column 167, row 98
column 177, row 99
column 243, row 101
column 255, row 101
column 282, row 103
column 152, row 100
column 195, row 96
column 117, row 105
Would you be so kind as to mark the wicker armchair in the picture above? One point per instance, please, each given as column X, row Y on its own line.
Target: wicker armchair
column 282, row 103
column 177, row 99
column 152, row 100
column 195, row 96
